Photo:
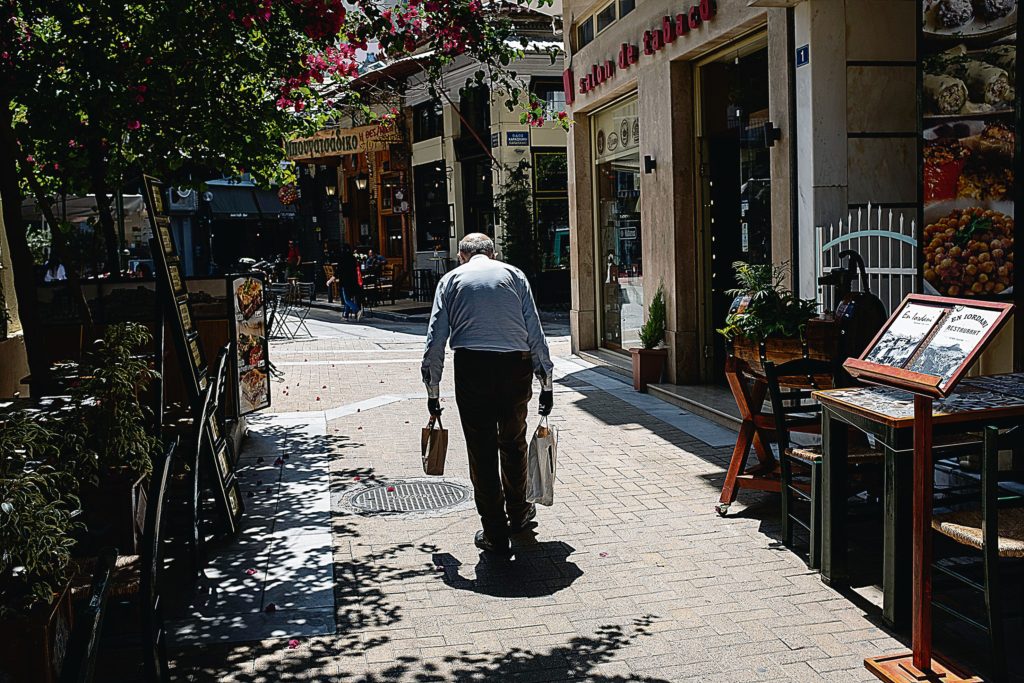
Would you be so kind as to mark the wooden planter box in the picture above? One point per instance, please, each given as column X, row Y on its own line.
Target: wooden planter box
column 648, row 366
column 820, row 342
column 34, row 645
column 115, row 511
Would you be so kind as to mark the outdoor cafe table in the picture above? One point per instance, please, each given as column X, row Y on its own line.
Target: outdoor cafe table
column 888, row 415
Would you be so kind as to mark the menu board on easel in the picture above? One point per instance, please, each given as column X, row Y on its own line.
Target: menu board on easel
column 929, row 343
column 177, row 310
column 247, row 311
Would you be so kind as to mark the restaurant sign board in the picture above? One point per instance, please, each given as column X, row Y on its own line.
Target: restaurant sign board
column 332, row 142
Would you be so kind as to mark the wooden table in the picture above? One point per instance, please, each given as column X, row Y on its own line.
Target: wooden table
column 889, row 416
column 749, row 395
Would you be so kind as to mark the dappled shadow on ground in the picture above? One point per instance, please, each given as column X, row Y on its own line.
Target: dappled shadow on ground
column 328, row 659
column 536, row 569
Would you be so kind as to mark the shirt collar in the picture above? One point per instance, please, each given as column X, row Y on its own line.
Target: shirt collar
column 477, row 256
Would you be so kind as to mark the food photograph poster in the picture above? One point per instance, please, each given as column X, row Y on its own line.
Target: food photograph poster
column 970, row 113
column 251, row 344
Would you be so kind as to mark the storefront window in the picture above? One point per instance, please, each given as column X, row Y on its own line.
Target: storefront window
column 620, row 240
column 584, row 32
column 431, row 190
column 551, row 209
column 427, row 121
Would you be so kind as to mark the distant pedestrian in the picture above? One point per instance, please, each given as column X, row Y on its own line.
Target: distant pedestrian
column 351, row 283
column 54, row 270
column 294, row 259
column 373, row 263
column 486, row 309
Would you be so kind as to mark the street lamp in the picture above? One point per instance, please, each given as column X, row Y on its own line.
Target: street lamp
column 331, row 190
column 362, row 181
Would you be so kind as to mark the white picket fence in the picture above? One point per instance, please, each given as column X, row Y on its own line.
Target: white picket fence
column 885, row 239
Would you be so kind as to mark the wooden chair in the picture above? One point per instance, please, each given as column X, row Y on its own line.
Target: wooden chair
column 795, row 410
column 134, row 588
column 80, row 661
column 333, row 291
column 386, row 283
column 992, row 529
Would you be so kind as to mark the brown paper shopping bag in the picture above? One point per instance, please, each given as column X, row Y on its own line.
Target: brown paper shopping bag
column 434, row 447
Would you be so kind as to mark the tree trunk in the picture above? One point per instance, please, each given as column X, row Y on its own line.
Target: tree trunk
column 101, row 189
column 21, row 255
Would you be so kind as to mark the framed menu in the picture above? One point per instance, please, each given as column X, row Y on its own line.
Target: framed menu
column 247, row 311
column 929, row 343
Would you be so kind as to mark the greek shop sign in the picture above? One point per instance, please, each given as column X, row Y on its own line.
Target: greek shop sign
column 653, row 40
column 340, row 141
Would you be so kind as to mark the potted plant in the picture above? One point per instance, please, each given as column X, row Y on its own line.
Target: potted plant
column 114, row 422
column 769, row 322
column 649, row 361
column 38, row 511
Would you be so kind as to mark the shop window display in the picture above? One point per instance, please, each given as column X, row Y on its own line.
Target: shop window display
column 620, row 257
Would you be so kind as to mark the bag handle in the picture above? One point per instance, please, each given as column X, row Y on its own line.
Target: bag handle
column 434, row 419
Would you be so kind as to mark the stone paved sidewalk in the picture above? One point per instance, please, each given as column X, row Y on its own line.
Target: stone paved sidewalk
column 630, row 576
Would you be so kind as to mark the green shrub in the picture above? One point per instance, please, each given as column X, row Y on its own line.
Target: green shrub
column 652, row 333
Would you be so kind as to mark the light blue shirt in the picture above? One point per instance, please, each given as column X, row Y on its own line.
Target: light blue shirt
column 484, row 305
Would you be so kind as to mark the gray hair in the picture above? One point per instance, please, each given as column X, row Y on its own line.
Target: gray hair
column 476, row 243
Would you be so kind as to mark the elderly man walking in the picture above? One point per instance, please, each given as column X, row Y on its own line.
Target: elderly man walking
column 486, row 309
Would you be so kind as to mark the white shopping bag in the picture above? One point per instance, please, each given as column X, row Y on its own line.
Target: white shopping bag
column 541, row 462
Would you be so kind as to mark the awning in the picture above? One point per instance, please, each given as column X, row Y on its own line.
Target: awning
column 242, row 201
column 78, row 209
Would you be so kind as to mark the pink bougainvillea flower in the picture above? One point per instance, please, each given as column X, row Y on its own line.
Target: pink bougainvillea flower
column 391, row 489
column 270, row 608
column 318, row 398
column 269, row 490
column 324, row 386
column 279, row 462
column 292, row 644
column 602, row 554
column 250, row 571
column 356, row 478
column 134, row 125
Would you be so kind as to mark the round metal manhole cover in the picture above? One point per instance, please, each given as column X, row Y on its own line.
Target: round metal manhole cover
column 409, row 496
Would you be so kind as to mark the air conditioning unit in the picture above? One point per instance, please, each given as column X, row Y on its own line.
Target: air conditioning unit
column 182, row 201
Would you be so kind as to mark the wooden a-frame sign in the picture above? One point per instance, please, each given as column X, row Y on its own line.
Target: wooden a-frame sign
column 929, row 343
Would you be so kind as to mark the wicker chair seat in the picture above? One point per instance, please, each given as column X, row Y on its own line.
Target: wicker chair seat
column 964, row 527
column 856, row 454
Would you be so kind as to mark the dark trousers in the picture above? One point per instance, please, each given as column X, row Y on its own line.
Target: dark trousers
column 493, row 392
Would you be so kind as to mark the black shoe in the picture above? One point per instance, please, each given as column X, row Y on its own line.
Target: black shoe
column 502, row 547
column 527, row 523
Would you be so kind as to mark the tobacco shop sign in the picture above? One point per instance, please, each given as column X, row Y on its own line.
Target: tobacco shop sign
column 653, row 40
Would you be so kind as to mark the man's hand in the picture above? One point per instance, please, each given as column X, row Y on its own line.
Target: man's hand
column 547, row 401
column 434, row 407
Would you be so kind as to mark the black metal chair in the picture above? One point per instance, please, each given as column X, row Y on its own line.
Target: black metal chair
column 794, row 409
column 80, row 661
column 993, row 529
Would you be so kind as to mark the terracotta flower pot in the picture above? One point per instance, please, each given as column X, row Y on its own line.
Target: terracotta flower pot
column 648, row 366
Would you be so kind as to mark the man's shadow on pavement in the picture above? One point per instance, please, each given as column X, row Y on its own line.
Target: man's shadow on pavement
column 535, row 570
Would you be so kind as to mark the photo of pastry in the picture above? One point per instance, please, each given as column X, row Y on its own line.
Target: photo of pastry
column 253, row 387
column 962, row 82
column 249, row 296
column 968, row 249
column 250, row 350
column 969, row 19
